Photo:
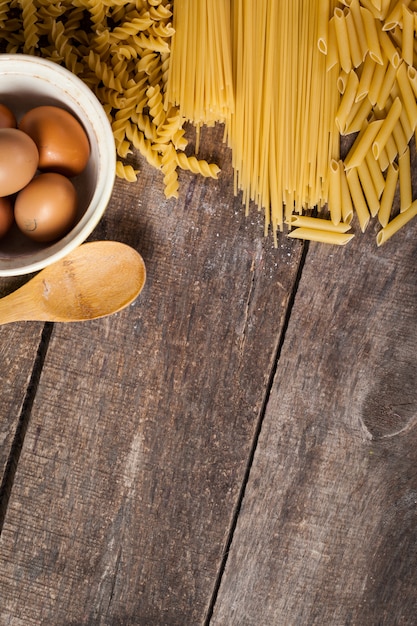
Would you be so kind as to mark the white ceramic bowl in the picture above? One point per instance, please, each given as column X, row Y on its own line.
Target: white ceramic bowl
column 28, row 81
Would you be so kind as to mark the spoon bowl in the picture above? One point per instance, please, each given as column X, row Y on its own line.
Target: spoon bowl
column 96, row 279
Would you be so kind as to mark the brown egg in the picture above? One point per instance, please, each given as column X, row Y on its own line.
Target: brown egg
column 6, row 215
column 46, row 208
column 7, row 117
column 18, row 160
column 61, row 140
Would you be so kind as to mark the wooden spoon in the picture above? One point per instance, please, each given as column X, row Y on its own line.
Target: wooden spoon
column 94, row 280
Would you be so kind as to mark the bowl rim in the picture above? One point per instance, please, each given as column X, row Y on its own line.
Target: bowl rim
column 19, row 64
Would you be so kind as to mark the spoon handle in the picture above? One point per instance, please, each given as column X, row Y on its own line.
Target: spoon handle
column 17, row 306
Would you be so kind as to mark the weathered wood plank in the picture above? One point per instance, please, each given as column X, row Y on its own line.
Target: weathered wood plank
column 327, row 533
column 144, row 421
column 18, row 349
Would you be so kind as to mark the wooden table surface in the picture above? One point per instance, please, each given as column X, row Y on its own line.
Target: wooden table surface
column 237, row 447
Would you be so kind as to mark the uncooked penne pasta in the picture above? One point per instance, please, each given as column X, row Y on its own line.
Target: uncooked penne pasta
column 362, row 144
column 323, row 27
column 321, row 236
column 359, row 114
column 389, row 49
column 355, row 10
column 406, row 193
column 368, row 188
column 394, row 18
column 376, row 174
column 407, row 95
column 347, row 204
column 365, row 80
column 391, row 149
column 388, row 194
column 405, row 122
column 399, row 138
column 332, row 57
column 342, row 39
column 396, row 224
column 386, row 5
column 318, row 223
column 387, row 128
column 371, row 34
column 347, row 101
column 412, row 77
column 358, row 198
column 342, row 80
column 335, row 200
column 384, row 161
column 376, row 4
column 386, row 87
column 407, row 44
column 356, row 52
column 377, row 81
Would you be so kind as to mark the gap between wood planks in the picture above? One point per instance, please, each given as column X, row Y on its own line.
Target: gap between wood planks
column 25, row 414
column 258, row 428
column 23, row 422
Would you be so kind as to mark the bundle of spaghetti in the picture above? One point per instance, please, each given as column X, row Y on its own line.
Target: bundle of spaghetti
column 282, row 131
column 199, row 78
column 121, row 50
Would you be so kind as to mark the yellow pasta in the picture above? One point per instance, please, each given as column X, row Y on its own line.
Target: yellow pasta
column 404, row 168
column 362, row 144
column 395, row 17
column 30, row 30
column 391, row 149
column 407, row 95
column 384, row 161
column 356, row 51
column 378, row 79
column 347, row 101
column 323, row 27
column 126, row 171
column 368, row 188
column 358, row 116
column 346, row 199
column 399, row 138
column 376, row 174
column 321, row 236
column 387, row 128
column 200, row 79
column 371, row 33
column 355, row 10
column 389, row 49
column 318, row 223
column 412, row 77
column 342, row 39
column 388, row 194
column 358, row 198
column 365, row 81
column 335, row 192
column 407, row 44
column 286, row 79
column 197, row 166
column 396, row 224
column 387, row 86
column 404, row 119
column 332, row 54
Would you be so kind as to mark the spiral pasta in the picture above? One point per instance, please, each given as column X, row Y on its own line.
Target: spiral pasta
column 30, row 30
column 126, row 171
column 197, row 166
column 121, row 50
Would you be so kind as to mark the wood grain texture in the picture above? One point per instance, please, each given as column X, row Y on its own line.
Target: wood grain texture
column 143, row 422
column 327, row 533
column 18, row 349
